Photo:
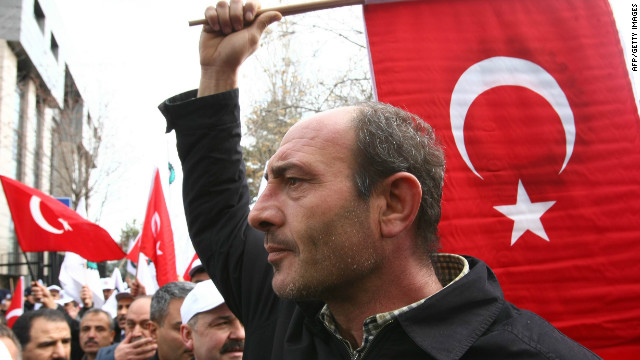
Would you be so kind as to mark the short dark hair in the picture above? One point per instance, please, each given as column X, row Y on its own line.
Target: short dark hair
column 161, row 299
column 98, row 311
column 6, row 332
column 390, row 140
column 22, row 326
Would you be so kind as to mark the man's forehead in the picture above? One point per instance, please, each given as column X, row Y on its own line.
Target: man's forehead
column 325, row 123
column 93, row 318
column 328, row 136
column 41, row 328
column 140, row 308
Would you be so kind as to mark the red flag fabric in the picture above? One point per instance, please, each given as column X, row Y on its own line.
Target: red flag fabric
column 134, row 253
column 533, row 103
column 17, row 303
column 43, row 223
column 186, row 275
column 156, row 237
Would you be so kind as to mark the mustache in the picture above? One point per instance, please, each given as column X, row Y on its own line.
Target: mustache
column 90, row 341
column 232, row 346
column 271, row 238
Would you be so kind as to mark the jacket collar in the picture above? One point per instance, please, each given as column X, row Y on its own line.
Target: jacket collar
column 450, row 321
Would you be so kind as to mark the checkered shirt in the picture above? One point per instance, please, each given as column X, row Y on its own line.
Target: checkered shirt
column 448, row 267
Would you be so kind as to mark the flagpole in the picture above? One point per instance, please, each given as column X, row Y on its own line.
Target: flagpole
column 26, row 259
column 294, row 9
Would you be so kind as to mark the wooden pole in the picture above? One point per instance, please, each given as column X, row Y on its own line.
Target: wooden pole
column 294, row 9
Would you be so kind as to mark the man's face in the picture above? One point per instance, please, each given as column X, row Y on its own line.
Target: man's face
column 170, row 345
column 48, row 340
column 318, row 232
column 217, row 335
column 137, row 323
column 55, row 294
column 107, row 293
column 123, row 308
column 199, row 277
column 95, row 333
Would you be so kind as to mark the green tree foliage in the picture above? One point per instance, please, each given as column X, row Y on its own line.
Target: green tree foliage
column 128, row 234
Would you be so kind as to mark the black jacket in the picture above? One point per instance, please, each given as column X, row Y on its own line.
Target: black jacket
column 468, row 320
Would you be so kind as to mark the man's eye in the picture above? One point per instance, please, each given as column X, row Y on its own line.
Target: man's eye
column 291, row 181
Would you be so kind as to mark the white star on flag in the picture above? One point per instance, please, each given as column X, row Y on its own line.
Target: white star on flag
column 525, row 214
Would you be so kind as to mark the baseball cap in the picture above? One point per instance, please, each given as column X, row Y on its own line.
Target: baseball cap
column 195, row 266
column 204, row 297
column 123, row 295
column 108, row 283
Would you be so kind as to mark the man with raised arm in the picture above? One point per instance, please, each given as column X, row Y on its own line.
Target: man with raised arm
column 337, row 259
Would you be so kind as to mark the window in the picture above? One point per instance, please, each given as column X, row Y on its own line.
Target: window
column 39, row 14
column 54, row 47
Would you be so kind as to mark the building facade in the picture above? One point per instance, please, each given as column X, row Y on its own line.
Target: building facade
column 45, row 128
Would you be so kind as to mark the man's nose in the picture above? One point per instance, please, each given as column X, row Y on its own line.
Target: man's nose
column 266, row 213
column 237, row 332
column 59, row 351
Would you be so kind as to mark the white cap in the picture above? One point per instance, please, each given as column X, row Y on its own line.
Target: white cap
column 64, row 298
column 108, row 283
column 54, row 287
column 204, row 297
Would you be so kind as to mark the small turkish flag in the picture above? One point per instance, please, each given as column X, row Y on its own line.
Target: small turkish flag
column 534, row 106
column 195, row 260
column 17, row 303
column 43, row 223
column 156, row 237
column 134, row 253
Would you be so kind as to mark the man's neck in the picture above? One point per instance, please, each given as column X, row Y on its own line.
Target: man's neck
column 388, row 292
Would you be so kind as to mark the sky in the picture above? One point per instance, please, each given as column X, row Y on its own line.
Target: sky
column 131, row 55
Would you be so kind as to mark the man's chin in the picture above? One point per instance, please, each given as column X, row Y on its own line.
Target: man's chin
column 232, row 355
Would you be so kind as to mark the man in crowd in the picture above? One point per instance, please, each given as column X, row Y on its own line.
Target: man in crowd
column 166, row 321
column 73, row 309
column 137, row 344
column 55, row 291
column 43, row 334
column 124, row 300
column 10, row 342
column 209, row 328
column 348, row 220
column 96, row 332
column 198, row 273
column 108, row 287
column 29, row 299
column 45, row 298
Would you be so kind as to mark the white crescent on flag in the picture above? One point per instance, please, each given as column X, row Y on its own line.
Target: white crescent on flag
column 36, row 213
column 502, row 71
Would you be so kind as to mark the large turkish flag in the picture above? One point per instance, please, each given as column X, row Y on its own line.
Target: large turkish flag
column 533, row 103
column 43, row 223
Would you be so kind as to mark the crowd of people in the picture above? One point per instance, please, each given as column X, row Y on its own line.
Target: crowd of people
column 180, row 321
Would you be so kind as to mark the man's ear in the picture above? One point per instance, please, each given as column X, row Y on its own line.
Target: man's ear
column 112, row 336
column 401, row 195
column 187, row 337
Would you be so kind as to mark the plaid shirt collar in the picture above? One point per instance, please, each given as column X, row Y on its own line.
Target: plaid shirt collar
column 448, row 267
